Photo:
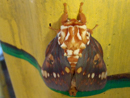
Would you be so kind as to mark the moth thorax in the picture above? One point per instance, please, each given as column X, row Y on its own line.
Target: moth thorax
column 73, row 37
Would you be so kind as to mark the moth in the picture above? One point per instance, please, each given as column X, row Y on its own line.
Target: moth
column 74, row 59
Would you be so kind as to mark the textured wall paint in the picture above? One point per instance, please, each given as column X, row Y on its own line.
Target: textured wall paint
column 24, row 23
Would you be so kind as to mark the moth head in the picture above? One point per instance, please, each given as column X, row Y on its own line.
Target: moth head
column 73, row 33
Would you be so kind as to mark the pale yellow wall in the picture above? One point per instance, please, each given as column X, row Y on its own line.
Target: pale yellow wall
column 24, row 23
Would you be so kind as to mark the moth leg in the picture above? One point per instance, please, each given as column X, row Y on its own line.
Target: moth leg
column 81, row 15
column 91, row 30
column 65, row 15
column 56, row 30
column 94, row 26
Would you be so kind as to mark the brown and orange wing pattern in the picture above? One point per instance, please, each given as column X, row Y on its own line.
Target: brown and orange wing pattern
column 91, row 70
column 56, row 68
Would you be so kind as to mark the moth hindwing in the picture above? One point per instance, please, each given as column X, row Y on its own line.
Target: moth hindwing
column 74, row 59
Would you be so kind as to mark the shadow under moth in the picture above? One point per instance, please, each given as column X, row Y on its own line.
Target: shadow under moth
column 74, row 63
column 74, row 59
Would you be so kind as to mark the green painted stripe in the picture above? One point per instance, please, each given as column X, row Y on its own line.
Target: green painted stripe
column 109, row 85
column 19, row 53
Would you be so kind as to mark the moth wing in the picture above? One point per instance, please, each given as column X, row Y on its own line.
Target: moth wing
column 56, row 68
column 91, row 69
column 49, row 47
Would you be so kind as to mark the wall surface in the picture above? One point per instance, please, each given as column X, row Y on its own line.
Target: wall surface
column 24, row 24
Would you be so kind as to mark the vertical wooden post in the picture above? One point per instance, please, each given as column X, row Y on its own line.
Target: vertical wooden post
column 24, row 24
